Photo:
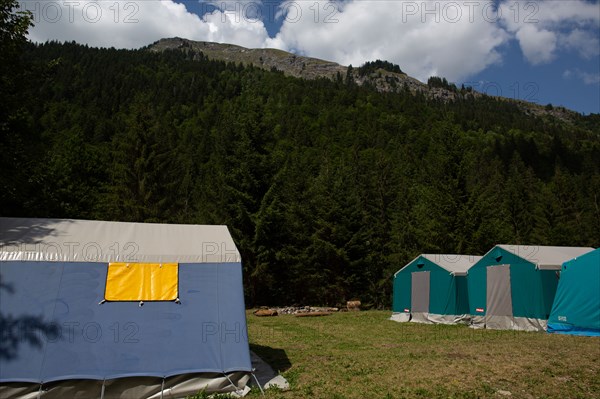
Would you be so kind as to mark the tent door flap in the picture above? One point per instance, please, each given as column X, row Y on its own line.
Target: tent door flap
column 499, row 308
column 419, row 296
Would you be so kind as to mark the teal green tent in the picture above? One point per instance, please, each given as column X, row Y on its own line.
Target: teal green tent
column 433, row 289
column 513, row 286
column 576, row 308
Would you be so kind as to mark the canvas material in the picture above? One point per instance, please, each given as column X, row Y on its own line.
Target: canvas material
column 533, row 287
column 142, row 282
column 462, row 296
column 533, row 291
column 514, row 323
column 400, row 317
column 456, row 264
column 127, row 388
column 420, row 292
column 530, row 324
column 557, row 328
column 70, row 240
column 420, row 317
column 402, row 292
column 432, row 318
column 499, row 297
column 493, row 322
column 77, row 337
column 448, row 292
column 499, row 292
column 477, row 321
column 576, row 308
column 546, row 257
column 449, row 319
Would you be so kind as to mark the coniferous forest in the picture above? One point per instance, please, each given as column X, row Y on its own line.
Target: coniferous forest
column 328, row 188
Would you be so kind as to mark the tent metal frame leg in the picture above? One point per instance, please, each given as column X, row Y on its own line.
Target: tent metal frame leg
column 257, row 383
column 231, row 382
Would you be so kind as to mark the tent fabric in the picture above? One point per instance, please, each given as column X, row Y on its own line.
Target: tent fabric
column 420, row 291
column 141, row 282
column 78, row 338
column 432, row 318
column 545, row 257
column 576, row 308
column 443, row 299
column 68, row 240
column 419, row 296
column 499, row 300
column 57, row 328
column 532, row 286
column 178, row 386
column 458, row 265
column 401, row 317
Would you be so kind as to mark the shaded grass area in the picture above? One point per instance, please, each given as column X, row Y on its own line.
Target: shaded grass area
column 362, row 354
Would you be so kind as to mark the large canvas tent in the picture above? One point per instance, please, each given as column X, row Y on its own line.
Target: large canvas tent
column 433, row 289
column 120, row 310
column 513, row 286
column 576, row 308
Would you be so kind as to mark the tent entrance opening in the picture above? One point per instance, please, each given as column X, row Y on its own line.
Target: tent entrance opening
column 420, row 292
column 499, row 310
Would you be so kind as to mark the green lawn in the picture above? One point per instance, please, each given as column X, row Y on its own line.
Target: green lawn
column 364, row 355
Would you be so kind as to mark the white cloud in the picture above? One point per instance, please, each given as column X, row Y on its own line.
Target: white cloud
column 132, row 24
column 454, row 39
column 227, row 27
column 590, row 78
column 545, row 26
column 538, row 45
column 587, row 77
column 424, row 38
column 585, row 43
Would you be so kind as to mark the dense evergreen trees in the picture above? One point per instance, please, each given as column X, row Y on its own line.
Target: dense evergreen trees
column 372, row 66
column 328, row 188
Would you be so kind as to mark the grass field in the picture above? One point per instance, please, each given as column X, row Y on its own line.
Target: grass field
column 364, row 355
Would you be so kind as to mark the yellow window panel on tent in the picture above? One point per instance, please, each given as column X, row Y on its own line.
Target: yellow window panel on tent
column 142, row 282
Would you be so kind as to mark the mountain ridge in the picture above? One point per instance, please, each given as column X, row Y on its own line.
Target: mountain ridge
column 313, row 68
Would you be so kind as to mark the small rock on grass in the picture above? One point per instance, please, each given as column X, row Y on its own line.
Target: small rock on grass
column 278, row 382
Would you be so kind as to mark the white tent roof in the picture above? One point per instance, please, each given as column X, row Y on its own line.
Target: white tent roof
column 457, row 265
column 69, row 240
column 545, row 257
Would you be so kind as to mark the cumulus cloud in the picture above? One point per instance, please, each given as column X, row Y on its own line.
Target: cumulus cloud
column 425, row 38
column 538, row 45
column 228, row 27
column 587, row 77
column 585, row 43
column 544, row 27
column 133, row 24
column 454, row 39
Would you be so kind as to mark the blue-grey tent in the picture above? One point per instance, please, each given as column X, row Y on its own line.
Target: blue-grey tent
column 576, row 308
column 120, row 310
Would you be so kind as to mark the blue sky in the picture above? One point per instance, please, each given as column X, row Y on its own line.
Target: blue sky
column 542, row 51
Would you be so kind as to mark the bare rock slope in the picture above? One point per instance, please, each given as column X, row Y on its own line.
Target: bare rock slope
column 313, row 68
